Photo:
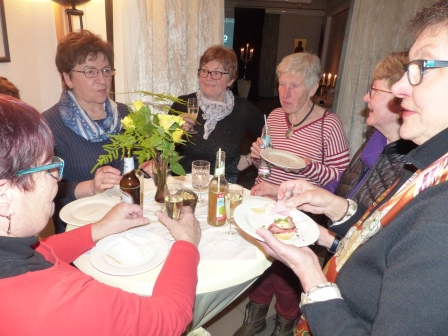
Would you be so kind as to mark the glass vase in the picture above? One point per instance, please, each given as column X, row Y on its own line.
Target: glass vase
column 159, row 175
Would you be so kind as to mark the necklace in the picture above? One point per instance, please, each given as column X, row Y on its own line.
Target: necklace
column 289, row 132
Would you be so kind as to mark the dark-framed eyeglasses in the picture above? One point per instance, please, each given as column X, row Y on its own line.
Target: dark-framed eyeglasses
column 215, row 74
column 93, row 72
column 416, row 69
column 55, row 169
column 376, row 90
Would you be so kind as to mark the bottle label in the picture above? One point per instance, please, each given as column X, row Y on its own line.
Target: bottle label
column 128, row 165
column 219, row 171
column 126, row 197
column 220, row 207
column 267, row 141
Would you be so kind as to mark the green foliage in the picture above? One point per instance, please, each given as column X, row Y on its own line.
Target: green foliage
column 147, row 132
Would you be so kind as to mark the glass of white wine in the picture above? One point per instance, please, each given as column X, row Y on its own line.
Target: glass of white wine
column 193, row 109
column 200, row 177
column 174, row 199
column 234, row 197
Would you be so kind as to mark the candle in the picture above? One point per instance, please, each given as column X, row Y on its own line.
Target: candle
column 329, row 79
column 251, row 52
column 323, row 79
column 334, row 80
column 242, row 52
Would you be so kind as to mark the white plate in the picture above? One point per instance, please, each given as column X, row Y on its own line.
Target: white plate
column 149, row 192
column 109, row 257
column 86, row 210
column 282, row 159
column 249, row 221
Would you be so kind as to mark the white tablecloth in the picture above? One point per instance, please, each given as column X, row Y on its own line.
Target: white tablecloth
column 226, row 268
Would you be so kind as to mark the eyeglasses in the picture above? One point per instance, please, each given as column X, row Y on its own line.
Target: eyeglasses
column 416, row 69
column 375, row 89
column 215, row 74
column 93, row 72
column 55, row 169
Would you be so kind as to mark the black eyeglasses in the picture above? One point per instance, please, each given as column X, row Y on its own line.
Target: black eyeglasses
column 55, row 169
column 416, row 69
column 93, row 72
column 375, row 89
column 215, row 74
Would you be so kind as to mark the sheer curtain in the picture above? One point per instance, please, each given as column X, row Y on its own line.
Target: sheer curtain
column 158, row 43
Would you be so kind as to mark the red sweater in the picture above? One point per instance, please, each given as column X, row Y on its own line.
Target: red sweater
column 61, row 300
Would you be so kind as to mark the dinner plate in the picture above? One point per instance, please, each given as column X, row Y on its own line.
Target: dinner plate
column 129, row 253
column 282, row 159
column 86, row 210
column 149, row 192
column 249, row 221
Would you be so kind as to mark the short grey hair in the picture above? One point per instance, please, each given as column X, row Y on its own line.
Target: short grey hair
column 304, row 63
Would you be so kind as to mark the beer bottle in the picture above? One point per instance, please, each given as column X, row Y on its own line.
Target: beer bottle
column 129, row 183
column 217, row 192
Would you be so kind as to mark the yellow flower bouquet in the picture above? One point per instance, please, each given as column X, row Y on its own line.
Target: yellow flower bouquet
column 148, row 134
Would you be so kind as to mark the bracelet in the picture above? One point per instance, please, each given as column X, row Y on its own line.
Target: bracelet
column 333, row 248
column 352, row 206
column 249, row 162
column 322, row 292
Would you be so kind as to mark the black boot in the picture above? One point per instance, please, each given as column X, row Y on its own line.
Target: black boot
column 254, row 319
column 283, row 327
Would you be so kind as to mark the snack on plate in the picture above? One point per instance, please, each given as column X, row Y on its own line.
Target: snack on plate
column 283, row 228
column 265, row 210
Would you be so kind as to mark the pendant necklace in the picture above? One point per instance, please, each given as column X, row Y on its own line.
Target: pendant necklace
column 289, row 132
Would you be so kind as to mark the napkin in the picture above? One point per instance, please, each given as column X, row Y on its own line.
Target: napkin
column 132, row 246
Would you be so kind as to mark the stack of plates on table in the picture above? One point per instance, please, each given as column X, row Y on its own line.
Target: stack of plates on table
column 129, row 253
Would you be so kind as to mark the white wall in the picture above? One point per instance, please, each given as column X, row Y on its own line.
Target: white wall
column 32, row 45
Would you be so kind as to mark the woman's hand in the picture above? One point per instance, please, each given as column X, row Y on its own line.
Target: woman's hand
column 301, row 260
column 265, row 189
column 121, row 217
column 190, row 121
column 305, row 196
column 105, row 178
column 147, row 167
column 256, row 148
column 186, row 228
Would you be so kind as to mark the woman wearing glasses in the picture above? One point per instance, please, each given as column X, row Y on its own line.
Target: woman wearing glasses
column 388, row 276
column 83, row 117
column 223, row 119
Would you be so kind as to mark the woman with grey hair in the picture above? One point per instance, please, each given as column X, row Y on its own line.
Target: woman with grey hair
column 311, row 132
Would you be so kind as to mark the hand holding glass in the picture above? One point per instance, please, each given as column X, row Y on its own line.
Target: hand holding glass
column 173, row 199
column 234, row 197
column 193, row 109
column 200, row 175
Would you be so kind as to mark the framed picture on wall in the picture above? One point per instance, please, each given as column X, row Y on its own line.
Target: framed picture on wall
column 299, row 45
column 4, row 46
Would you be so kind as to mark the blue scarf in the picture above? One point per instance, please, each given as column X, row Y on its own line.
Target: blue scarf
column 75, row 118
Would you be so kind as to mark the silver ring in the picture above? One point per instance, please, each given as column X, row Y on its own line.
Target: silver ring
column 102, row 181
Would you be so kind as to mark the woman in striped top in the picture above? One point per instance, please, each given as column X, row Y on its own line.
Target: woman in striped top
column 315, row 134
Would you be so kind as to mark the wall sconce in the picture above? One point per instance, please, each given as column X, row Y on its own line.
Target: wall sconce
column 72, row 11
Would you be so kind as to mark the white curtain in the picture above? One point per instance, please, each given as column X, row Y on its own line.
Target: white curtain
column 158, row 43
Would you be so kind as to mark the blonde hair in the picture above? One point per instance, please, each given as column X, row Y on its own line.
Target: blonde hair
column 391, row 67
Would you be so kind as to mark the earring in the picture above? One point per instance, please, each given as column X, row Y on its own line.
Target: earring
column 9, row 225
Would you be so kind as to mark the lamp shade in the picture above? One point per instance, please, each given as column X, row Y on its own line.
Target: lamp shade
column 72, row 3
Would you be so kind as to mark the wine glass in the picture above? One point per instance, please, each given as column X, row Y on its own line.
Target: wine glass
column 193, row 109
column 200, row 177
column 234, row 197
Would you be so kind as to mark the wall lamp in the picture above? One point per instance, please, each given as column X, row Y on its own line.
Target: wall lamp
column 73, row 11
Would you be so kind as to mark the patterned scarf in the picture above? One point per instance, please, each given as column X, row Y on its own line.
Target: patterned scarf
column 368, row 226
column 75, row 118
column 214, row 111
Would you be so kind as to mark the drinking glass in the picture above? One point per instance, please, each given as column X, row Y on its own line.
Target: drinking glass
column 141, row 177
column 234, row 197
column 200, row 177
column 193, row 109
column 174, row 199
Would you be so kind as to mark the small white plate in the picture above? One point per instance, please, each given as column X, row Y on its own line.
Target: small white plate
column 282, row 159
column 109, row 257
column 249, row 221
column 86, row 210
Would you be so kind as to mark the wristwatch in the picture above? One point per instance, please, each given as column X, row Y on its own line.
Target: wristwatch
column 351, row 210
